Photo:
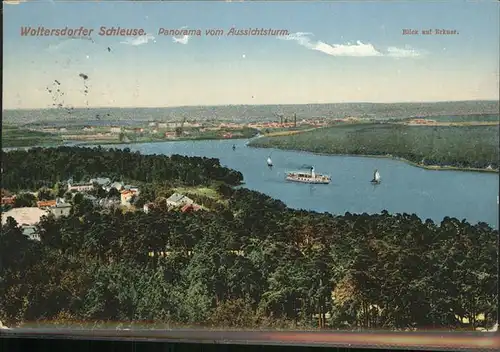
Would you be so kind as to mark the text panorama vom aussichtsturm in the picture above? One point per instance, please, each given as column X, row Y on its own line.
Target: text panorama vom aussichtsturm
column 42, row 31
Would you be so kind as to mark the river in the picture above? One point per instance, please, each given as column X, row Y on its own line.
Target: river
column 404, row 189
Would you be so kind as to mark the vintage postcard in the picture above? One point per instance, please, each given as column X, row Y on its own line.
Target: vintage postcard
column 286, row 166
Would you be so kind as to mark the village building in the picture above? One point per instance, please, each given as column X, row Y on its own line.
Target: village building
column 8, row 200
column 131, row 188
column 127, row 195
column 80, row 187
column 148, row 207
column 178, row 200
column 61, row 210
column 101, row 181
column 45, row 204
column 116, row 185
column 190, row 207
column 109, row 203
column 56, row 207
column 31, row 232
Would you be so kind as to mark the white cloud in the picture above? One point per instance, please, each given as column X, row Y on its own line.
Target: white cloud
column 140, row 40
column 358, row 49
column 183, row 39
column 403, row 52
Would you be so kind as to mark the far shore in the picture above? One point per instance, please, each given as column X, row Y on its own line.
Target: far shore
column 114, row 142
column 427, row 167
column 107, row 142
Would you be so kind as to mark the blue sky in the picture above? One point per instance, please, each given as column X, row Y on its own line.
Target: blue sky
column 335, row 52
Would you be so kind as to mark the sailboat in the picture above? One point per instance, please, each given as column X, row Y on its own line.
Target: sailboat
column 269, row 162
column 376, row 177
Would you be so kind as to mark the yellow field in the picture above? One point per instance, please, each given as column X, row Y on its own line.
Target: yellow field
column 470, row 123
column 202, row 191
column 289, row 133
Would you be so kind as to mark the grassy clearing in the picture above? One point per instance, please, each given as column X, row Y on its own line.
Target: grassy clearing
column 473, row 147
column 485, row 118
column 202, row 191
column 19, row 137
column 288, row 132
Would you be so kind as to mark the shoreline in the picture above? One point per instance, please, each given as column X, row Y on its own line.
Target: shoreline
column 392, row 157
column 78, row 143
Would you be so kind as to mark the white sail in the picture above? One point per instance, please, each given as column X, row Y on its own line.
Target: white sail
column 269, row 161
column 376, row 177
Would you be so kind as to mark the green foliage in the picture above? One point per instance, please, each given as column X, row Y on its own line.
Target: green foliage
column 252, row 263
column 464, row 146
column 25, row 200
column 267, row 266
column 41, row 167
column 45, row 193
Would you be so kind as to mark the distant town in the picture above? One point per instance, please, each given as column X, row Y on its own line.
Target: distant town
column 184, row 129
column 181, row 130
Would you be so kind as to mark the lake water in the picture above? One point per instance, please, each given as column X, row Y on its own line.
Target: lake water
column 404, row 188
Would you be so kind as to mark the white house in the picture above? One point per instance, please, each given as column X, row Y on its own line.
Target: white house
column 173, row 124
column 101, row 181
column 115, row 129
column 147, row 207
column 126, row 196
column 131, row 188
column 80, row 187
column 177, row 199
column 116, row 185
column 31, row 232
column 109, row 203
column 61, row 208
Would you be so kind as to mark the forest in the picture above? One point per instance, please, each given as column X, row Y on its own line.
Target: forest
column 461, row 147
column 250, row 262
column 43, row 167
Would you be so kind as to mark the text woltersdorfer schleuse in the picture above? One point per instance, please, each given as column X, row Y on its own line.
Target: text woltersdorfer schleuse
column 42, row 31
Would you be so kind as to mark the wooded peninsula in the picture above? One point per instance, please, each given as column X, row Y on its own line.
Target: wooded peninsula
column 460, row 147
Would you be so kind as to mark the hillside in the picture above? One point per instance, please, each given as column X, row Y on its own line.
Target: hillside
column 248, row 113
column 442, row 146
